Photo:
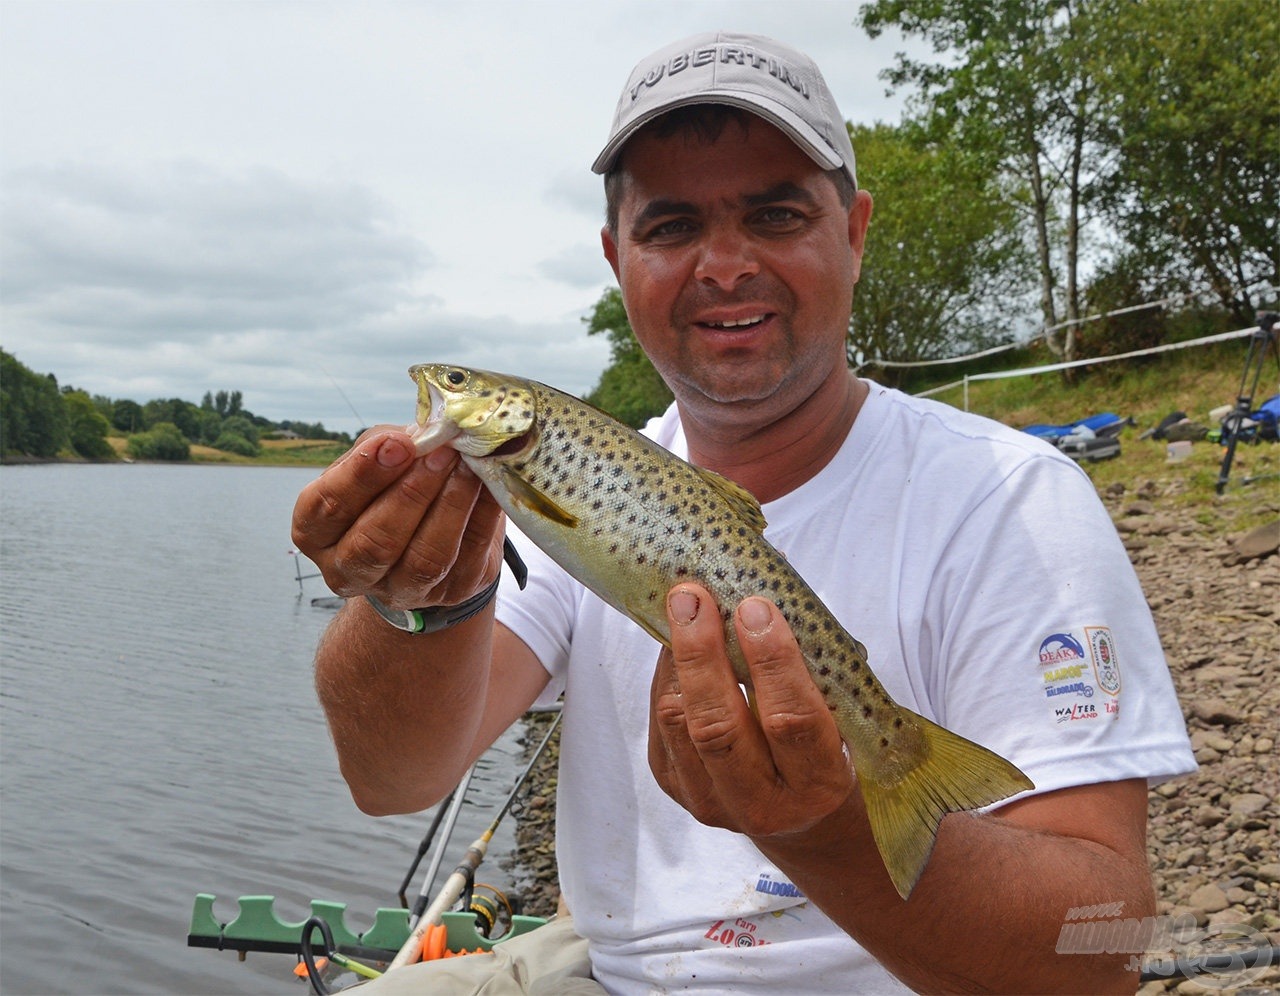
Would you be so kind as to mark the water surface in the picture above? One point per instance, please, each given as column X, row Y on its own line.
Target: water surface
column 159, row 734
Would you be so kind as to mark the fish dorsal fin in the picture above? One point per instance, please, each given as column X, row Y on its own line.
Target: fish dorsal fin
column 742, row 500
column 527, row 496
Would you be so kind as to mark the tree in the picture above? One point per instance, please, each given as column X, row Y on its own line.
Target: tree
column 944, row 256
column 630, row 389
column 87, row 427
column 1194, row 114
column 33, row 416
column 127, row 415
column 238, row 435
column 180, row 413
column 164, row 441
column 1017, row 90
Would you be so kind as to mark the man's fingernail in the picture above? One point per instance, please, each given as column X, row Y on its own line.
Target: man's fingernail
column 683, row 606
column 392, row 453
column 756, row 615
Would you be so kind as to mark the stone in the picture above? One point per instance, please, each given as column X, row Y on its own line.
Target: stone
column 1208, row 898
column 1249, row 803
column 1260, row 542
column 1217, row 712
column 1269, row 873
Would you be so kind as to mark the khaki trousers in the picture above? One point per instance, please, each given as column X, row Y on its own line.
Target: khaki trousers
column 549, row 961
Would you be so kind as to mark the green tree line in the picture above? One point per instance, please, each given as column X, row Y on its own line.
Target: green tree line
column 1058, row 159
column 39, row 419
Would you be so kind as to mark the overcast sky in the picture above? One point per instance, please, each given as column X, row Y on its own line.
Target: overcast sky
column 299, row 200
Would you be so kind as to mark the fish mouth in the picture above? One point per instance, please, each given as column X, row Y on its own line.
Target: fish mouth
column 437, row 431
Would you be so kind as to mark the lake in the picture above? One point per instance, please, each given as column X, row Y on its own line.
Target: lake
column 160, row 736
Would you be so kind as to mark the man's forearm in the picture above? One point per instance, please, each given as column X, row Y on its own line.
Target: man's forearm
column 986, row 914
column 403, row 709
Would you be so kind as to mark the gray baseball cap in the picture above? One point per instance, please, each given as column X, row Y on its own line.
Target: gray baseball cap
column 757, row 74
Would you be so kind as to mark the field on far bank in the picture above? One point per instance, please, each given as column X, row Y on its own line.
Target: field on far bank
column 275, row 453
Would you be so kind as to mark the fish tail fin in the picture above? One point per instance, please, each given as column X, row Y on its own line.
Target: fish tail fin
column 904, row 812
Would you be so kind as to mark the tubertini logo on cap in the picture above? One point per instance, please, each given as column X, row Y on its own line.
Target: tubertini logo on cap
column 725, row 53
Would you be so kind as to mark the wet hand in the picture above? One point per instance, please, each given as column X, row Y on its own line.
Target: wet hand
column 411, row 532
column 774, row 774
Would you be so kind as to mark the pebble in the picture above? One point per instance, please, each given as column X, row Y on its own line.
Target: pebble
column 1209, row 899
column 1249, row 803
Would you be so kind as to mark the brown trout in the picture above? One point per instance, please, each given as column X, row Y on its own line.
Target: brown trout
column 630, row 520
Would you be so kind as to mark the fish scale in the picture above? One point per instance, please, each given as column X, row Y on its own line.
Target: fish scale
column 629, row 520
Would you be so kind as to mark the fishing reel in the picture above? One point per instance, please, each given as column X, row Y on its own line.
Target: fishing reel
column 488, row 906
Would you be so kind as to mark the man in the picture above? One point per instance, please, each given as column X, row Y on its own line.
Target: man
column 702, row 847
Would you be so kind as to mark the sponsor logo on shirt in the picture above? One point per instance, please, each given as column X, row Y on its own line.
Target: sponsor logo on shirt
column 769, row 887
column 1073, row 671
column 1102, row 651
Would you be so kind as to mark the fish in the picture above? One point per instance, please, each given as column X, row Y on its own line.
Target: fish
column 630, row 520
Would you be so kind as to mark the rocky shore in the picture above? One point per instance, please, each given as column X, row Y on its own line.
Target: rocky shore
column 1215, row 594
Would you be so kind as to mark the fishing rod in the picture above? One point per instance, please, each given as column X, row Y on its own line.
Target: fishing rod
column 461, row 876
column 445, row 804
column 458, row 796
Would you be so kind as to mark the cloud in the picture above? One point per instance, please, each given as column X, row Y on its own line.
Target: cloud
column 176, row 278
column 181, row 247
column 581, row 265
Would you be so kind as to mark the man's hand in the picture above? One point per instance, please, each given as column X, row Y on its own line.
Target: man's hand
column 410, row 532
column 775, row 774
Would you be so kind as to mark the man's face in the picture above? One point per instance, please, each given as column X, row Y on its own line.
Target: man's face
column 736, row 262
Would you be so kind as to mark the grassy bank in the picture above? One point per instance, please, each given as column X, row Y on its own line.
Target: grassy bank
column 273, row 453
column 1194, row 381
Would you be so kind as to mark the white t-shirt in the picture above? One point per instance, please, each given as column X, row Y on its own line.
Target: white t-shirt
column 993, row 596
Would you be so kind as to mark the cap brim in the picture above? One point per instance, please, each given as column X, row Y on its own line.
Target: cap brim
column 813, row 145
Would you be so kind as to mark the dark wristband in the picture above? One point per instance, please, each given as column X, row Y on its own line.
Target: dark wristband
column 437, row 617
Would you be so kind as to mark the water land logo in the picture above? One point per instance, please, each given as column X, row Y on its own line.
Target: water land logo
column 1218, row 956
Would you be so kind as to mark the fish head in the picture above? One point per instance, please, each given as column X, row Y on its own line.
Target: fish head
column 474, row 411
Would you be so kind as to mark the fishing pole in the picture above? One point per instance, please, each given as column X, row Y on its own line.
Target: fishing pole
column 455, row 807
column 422, row 847
column 465, row 872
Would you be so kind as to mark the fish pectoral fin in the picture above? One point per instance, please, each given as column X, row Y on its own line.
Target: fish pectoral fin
column 743, row 501
column 527, row 496
column 954, row 774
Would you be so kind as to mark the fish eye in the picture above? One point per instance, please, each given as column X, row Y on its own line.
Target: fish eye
column 456, row 377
